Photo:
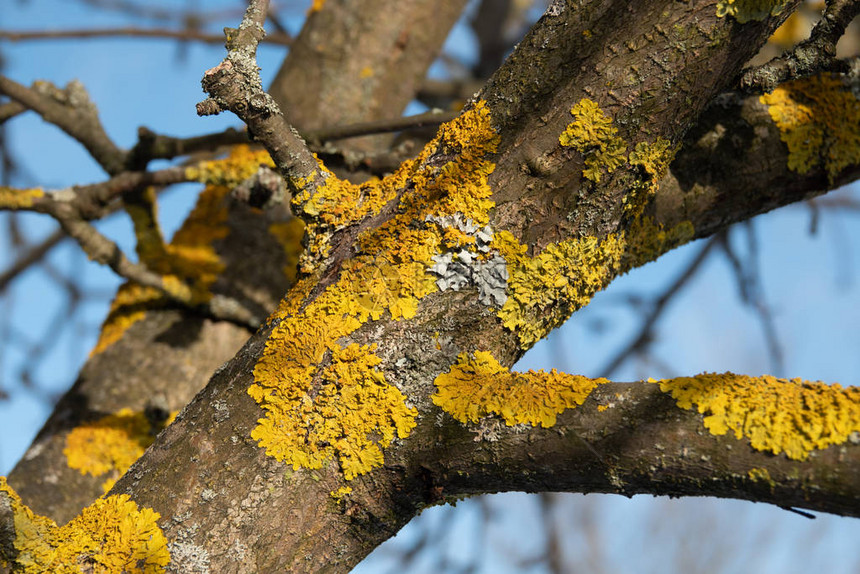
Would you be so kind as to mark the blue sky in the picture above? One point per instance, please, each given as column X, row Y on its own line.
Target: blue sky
column 811, row 282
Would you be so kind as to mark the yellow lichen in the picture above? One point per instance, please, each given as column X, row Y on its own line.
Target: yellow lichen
column 653, row 159
column 189, row 261
column 110, row 535
column 761, row 475
column 110, row 444
column 745, row 10
column 11, row 198
column 477, row 386
column 793, row 417
column 592, row 134
column 353, row 413
column 289, row 234
column 819, row 121
column 239, row 165
column 341, row 493
column 316, row 6
column 323, row 401
column 545, row 289
column 646, row 240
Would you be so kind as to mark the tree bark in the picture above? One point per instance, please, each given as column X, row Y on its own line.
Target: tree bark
column 655, row 68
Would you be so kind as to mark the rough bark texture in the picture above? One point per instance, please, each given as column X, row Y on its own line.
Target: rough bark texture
column 655, row 67
column 345, row 67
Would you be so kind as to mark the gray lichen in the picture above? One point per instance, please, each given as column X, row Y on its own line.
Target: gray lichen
column 471, row 268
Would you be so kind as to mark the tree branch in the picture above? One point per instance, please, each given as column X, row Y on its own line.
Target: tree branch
column 102, row 250
column 157, row 33
column 72, row 111
column 31, row 256
column 816, row 54
column 235, row 85
column 646, row 444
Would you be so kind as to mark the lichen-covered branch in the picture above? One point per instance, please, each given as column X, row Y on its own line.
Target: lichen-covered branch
column 345, row 414
column 610, row 445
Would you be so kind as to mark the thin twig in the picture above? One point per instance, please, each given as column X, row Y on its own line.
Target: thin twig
column 816, row 54
column 30, row 257
column 235, row 85
column 72, row 111
column 128, row 32
column 433, row 118
column 9, row 110
column 645, row 335
column 102, row 250
column 749, row 285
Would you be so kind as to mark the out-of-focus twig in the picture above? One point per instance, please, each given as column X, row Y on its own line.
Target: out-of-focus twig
column 432, row 118
column 29, row 257
column 71, row 110
column 128, row 32
column 749, row 285
column 816, row 54
column 646, row 330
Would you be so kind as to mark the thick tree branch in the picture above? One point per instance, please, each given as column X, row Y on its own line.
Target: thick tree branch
column 644, row 444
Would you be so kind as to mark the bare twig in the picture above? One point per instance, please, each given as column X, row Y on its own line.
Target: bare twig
column 9, row 110
column 816, row 54
column 235, row 85
column 31, row 256
column 128, row 32
column 102, row 250
column 645, row 335
column 72, row 111
column 433, row 118
column 749, row 285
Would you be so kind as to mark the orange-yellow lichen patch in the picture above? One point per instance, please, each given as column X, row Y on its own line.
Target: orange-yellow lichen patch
column 776, row 415
column 110, row 444
column 745, row 10
column 353, row 413
column 477, row 386
column 289, row 234
column 341, row 493
column 189, row 261
column 592, row 134
column 819, row 121
column 653, row 159
column 11, row 198
column 545, row 289
column 797, row 26
column 110, row 535
column 761, row 475
column 316, row 6
column 326, row 402
column 239, row 165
